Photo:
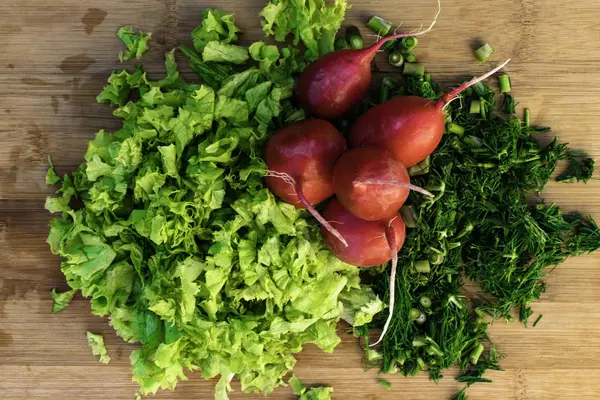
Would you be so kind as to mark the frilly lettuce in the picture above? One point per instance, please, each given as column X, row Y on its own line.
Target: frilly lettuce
column 175, row 238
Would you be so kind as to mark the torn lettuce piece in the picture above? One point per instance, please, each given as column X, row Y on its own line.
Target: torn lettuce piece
column 52, row 177
column 221, row 52
column 360, row 305
column 96, row 342
column 215, row 26
column 297, row 386
column 317, row 393
column 61, row 300
column 265, row 54
column 136, row 42
column 312, row 22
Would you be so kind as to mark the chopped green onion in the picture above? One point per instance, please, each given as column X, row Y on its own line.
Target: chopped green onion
column 473, row 141
column 538, row 320
column 425, row 301
column 436, row 259
column 396, row 59
column 434, row 350
column 384, row 93
column 527, row 118
column 427, row 77
column 379, row 25
column 421, row 363
column 385, row 384
column 409, row 216
column 455, row 128
column 341, row 43
column 476, row 353
column 390, row 45
column 409, row 43
column 481, row 88
column 509, row 104
column 355, row 38
column 419, row 340
column 414, row 313
column 421, row 319
column 416, row 170
column 504, row 82
column 483, row 108
column 484, row 52
column 387, row 83
column 475, row 107
column 422, row 267
column 413, row 69
column 411, row 58
column 421, row 168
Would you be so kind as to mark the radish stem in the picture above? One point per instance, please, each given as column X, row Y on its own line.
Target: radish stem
column 374, row 48
column 297, row 187
column 445, row 99
column 390, row 235
column 394, row 183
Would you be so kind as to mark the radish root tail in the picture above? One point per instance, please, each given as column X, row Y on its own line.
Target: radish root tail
column 297, row 187
column 448, row 97
column 418, row 32
column 390, row 234
column 407, row 185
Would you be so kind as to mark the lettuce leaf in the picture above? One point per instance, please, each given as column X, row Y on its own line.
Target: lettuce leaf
column 96, row 342
column 312, row 22
column 61, row 300
column 136, row 42
column 222, row 52
column 216, row 26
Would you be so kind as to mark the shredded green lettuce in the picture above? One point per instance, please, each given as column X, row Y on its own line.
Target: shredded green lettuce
column 175, row 238
column 52, row 177
column 312, row 22
column 317, row 393
column 96, row 342
column 61, row 300
column 136, row 42
column 222, row 52
column 216, row 26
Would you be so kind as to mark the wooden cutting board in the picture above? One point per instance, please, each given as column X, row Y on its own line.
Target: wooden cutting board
column 55, row 57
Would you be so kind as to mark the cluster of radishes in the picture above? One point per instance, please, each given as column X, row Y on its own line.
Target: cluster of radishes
column 309, row 161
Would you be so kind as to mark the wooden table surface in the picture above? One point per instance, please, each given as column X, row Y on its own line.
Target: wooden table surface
column 54, row 59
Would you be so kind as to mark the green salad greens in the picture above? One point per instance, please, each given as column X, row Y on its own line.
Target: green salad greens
column 96, row 342
column 168, row 228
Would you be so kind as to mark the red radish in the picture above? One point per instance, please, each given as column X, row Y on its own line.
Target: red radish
column 410, row 127
column 367, row 242
column 370, row 243
column 300, row 158
column 371, row 184
column 336, row 82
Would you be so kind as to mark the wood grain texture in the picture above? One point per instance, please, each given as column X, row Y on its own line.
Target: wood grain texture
column 56, row 56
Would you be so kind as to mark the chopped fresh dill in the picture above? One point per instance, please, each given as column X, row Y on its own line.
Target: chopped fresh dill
column 479, row 226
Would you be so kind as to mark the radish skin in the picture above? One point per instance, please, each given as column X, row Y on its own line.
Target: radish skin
column 371, row 183
column 367, row 242
column 410, row 127
column 300, row 159
column 336, row 82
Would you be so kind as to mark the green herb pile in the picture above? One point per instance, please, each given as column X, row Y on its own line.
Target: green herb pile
column 483, row 225
column 169, row 230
